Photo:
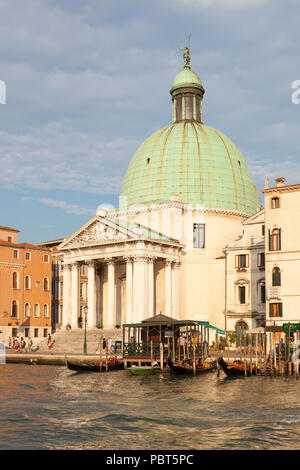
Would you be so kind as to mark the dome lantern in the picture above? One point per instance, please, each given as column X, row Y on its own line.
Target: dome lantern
column 187, row 93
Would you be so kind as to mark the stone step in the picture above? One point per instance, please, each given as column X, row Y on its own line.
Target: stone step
column 71, row 341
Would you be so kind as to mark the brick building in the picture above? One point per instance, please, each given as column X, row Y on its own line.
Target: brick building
column 25, row 287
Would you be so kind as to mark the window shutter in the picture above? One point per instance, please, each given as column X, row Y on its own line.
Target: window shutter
column 270, row 245
column 279, row 239
column 236, row 261
column 270, row 310
column 280, row 309
column 247, row 261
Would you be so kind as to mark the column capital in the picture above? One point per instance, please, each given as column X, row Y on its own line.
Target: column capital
column 91, row 264
column 75, row 265
column 67, row 266
column 110, row 261
column 169, row 262
column 151, row 259
column 176, row 264
column 128, row 259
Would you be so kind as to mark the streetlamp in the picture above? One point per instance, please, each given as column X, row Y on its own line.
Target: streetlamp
column 85, row 321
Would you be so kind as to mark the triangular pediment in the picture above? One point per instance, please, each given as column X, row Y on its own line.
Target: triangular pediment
column 257, row 218
column 97, row 231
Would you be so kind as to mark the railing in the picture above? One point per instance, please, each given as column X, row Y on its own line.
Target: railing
column 144, row 349
column 274, row 292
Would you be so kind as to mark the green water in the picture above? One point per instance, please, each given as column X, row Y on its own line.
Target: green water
column 46, row 407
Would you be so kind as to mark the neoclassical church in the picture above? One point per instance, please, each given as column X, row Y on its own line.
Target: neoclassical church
column 186, row 194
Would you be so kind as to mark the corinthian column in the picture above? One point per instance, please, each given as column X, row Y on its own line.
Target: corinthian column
column 175, row 290
column 140, row 288
column 91, row 318
column 75, row 292
column 168, row 287
column 111, row 293
column 151, row 287
column 129, row 290
column 66, row 294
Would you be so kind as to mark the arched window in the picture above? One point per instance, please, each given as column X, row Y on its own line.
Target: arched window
column 275, row 204
column 36, row 311
column 14, row 309
column 27, row 282
column 45, row 311
column 275, row 239
column 15, row 281
column 27, row 310
column 46, row 284
column 276, row 277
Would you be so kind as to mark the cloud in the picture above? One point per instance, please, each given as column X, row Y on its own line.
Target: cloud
column 87, row 82
column 67, row 207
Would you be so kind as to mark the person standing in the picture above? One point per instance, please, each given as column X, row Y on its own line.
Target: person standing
column 30, row 343
column 9, row 342
column 109, row 344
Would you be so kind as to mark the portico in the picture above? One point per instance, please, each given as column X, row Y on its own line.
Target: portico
column 124, row 270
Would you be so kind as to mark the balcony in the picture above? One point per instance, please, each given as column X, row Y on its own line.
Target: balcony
column 274, row 293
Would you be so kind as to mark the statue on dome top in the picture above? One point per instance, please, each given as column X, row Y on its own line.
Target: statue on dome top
column 186, row 57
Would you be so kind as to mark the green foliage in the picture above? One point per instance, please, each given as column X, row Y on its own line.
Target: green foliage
column 232, row 338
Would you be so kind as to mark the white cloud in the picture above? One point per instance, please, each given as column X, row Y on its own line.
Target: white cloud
column 67, row 207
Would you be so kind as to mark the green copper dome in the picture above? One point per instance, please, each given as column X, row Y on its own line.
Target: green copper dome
column 186, row 78
column 196, row 162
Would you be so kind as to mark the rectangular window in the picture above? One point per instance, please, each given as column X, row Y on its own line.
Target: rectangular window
column 45, row 332
column 46, row 258
column 241, row 261
column 261, row 260
column 15, row 254
column 242, row 294
column 27, row 256
column 275, row 239
column 262, row 294
column 263, row 230
column 9, row 239
column 36, row 332
column 275, row 310
column 199, row 235
column 26, row 332
column 14, row 332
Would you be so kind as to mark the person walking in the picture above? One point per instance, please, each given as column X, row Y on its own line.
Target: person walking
column 109, row 344
column 29, row 346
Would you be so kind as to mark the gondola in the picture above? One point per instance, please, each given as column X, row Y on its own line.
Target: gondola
column 236, row 368
column 85, row 367
column 187, row 367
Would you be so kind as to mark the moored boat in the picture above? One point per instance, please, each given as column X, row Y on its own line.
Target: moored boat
column 236, row 368
column 88, row 367
column 187, row 368
column 143, row 370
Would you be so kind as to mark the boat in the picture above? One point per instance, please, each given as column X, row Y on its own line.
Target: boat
column 143, row 370
column 187, row 367
column 88, row 367
column 236, row 368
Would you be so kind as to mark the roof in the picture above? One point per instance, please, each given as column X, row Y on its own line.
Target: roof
column 196, row 162
column 22, row 246
column 9, row 228
column 186, row 78
column 158, row 319
column 143, row 231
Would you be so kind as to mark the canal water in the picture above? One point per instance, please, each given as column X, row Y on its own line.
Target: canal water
column 47, row 407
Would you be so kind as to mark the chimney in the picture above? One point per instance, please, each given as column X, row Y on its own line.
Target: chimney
column 280, row 181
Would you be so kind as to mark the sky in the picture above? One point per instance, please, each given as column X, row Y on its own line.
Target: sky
column 88, row 82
